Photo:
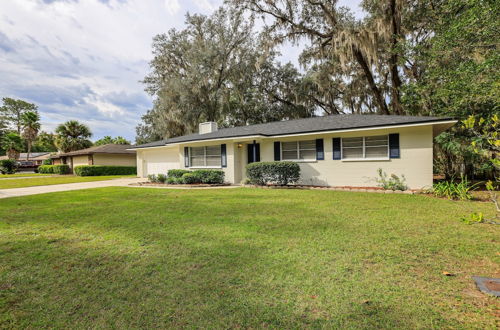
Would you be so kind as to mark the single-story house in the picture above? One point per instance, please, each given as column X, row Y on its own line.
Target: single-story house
column 337, row 150
column 36, row 158
column 108, row 154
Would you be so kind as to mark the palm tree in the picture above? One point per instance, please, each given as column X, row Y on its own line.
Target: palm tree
column 30, row 122
column 13, row 144
column 72, row 136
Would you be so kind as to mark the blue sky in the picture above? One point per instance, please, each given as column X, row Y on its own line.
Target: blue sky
column 83, row 59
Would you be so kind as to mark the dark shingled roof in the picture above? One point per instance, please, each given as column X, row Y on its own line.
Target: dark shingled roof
column 298, row 126
column 104, row 149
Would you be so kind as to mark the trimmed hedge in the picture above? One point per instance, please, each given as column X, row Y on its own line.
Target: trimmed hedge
column 209, row 176
column 54, row 169
column 280, row 173
column 98, row 170
column 8, row 166
column 177, row 173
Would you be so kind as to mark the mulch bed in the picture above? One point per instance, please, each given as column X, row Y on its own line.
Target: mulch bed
column 198, row 185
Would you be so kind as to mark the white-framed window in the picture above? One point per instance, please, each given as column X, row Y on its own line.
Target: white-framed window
column 298, row 150
column 366, row 147
column 209, row 156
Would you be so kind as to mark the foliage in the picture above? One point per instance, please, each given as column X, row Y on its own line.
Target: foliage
column 109, row 140
column 47, row 161
column 217, row 69
column 104, row 170
column 171, row 180
column 54, row 169
column 12, row 112
column 12, row 144
column 474, row 218
column 393, row 182
column 280, row 173
column 8, row 166
column 176, row 173
column 210, row 176
column 161, row 178
column 486, row 137
column 454, row 190
column 30, row 122
column 190, row 178
column 152, row 178
column 45, row 142
column 72, row 136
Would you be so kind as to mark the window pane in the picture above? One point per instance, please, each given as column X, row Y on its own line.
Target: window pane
column 352, row 142
column 289, row 155
column 376, row 152
column 307, row 154
column 289, row 146
column 197, row 161
column 380, row 140
column 352, row 153
column 213, row 151
column 307, row 145
column 214, row 161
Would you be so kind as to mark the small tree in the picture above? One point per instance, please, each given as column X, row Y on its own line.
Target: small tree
column 13, row 144
column 31, row 125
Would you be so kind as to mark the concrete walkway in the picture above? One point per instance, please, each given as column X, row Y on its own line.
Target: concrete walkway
column 5, row 193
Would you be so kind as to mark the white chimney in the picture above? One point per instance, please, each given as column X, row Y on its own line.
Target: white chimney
column 207, row 127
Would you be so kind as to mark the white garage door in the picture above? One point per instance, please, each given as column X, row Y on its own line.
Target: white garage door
column 158, row 161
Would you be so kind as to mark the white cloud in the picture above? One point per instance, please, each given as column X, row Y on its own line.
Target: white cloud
column 172, row 6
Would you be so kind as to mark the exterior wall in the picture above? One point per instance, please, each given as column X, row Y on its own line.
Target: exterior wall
column 415, row 160
column 79, row 160
column 56, row 161
column 158, row 160
column 115, row 159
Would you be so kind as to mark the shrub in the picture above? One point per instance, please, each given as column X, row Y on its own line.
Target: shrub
column 394, row 182
column 171, row 180
column 152, row 178
column 280, row 173
column 209, row 176
column 161, row 178
column 47, row 162
column 8, row 166
column 176, row 173
column 98, row 170
column 190, row 178
column 54, row 169
column 454, row 190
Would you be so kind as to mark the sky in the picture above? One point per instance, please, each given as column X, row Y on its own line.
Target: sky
column 84, row 59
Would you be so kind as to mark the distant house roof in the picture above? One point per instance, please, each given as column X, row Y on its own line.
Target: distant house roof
column 33, row 155
column 300, row 126
column 104, row 149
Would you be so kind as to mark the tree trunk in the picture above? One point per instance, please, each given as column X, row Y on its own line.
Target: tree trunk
column 393, row 60
column 379, row 98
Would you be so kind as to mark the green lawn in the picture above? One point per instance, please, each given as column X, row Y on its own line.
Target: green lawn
column 45, row 181
column 21, row 175
column 251, row 258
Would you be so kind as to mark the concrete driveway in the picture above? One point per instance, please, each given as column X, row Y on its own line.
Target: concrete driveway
column 5, row 193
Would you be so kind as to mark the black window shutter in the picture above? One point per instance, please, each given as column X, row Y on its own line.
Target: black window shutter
column 258, row 152
column 337, row 154
column 186, row 157
column 394, row 145
column 277, row 150
column 223, row 157
column 320, row 152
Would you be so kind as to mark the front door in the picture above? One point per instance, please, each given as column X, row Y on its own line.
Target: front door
column 253, row 152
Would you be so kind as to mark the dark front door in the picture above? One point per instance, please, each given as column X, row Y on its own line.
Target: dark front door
column 253, row 153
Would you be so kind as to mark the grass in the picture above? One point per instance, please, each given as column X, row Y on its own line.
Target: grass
column 152, row 258
column 45, row 181
column 21, row 175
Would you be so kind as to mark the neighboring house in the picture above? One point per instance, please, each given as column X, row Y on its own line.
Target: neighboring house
column 338, row 150
column 108, row 154
column 36, row 158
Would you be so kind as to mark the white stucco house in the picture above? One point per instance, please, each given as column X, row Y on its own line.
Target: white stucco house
column 338, row 150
